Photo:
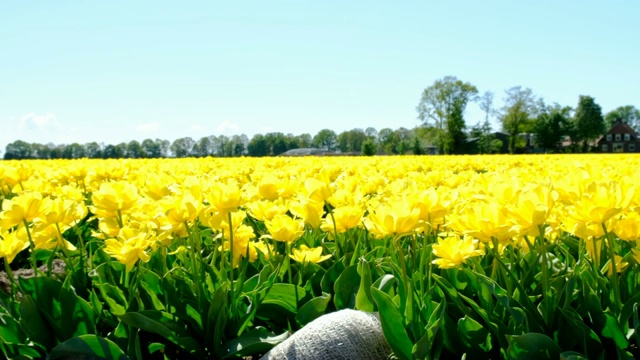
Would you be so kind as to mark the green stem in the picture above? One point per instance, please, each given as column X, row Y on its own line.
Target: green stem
column 614, row 270
column 545, row 278
column 231, row 279
column 32, row 246
column 289, row 275
column 12, row 283
column 119, row 219
column 335, row 232
column 524, row 298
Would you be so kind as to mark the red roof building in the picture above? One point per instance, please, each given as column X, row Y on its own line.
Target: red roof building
column 620, row 138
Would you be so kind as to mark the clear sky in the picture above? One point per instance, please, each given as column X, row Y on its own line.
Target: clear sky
column 113, row 71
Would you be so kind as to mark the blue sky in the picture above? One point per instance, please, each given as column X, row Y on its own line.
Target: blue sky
column 73, row 71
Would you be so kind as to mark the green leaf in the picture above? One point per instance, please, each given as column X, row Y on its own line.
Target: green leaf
column 10, row 331
column 430, row 345
column 218, row 303
column 346, row 288
column 473, row 334
column 77, row 314
column 44, row 291
column 33, row 324
column 114, row 297
column 364, row 299
column 612, row 330
column 151, row 283
column 385, row 283
column 162, row 324
column 572, row 332
column 393, row 325
column 313, row 309
column 572, row 355
column 532, row 346
column 284, row 296
column 87, row 345
column 218, row 333
column 154, row 347
column 256, row 341
column 329, row 279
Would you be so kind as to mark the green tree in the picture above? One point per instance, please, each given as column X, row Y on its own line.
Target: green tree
column 276, row 142
column 18, row 150
column 416, row 147
column 203, row 147
column 442, row 106
column 551, row 125
column 325, row 139
column 588, row 121
column 387, row 141
column 40, row 151
column 73, row 151
column 182, row 147
column 150, row 148
column 93, row 150
column 112, row 152
column 369, row 147
column 351, row 140
column 239, row 144
column 516, row 114
column 134, row 150
column 629, row 114
column 258, row 146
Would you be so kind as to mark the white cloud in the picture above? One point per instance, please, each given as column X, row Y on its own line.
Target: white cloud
column 148, row 128
column 196, row 128
column 35, row 122
column 227, row 127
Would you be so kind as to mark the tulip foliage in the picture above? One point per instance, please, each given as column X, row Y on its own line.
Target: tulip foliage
column 478, row 256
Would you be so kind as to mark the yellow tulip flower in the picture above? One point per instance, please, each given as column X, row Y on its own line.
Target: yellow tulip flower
column 284, row 228
column 129, row 247
column 453, row 251
column 225, row 197
column 396, row 219
column 309, row 211
column 628, row 227
column 113, row 198
column 24, row 207
column 346, row 217
column 11, row 245
column 305, row 254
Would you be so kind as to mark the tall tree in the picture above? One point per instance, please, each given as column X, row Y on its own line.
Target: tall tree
column 351, row 140
column 18, row 150
column 93, row 150
column 629, row 114
column 516, row 114
column 204, row 146
column 442, row 106
column 276, row 142
column 150, row 148
column 239, row 144
column 325, row 139
column 551, row 125
column 588, row 121
column 258, row 146
column 134, row 150
column 73, row 151
column 182, row 147
column 387, row 141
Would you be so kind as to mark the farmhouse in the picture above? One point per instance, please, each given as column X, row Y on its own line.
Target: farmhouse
column 620, row 138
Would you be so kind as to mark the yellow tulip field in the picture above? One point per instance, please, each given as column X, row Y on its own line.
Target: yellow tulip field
column 479, row 256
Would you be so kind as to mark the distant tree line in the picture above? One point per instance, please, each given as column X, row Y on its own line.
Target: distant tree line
column 526, row 121
column 527, row 124
column 355, row 141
